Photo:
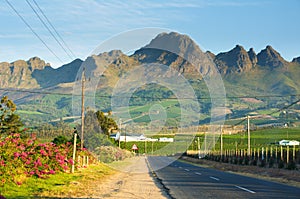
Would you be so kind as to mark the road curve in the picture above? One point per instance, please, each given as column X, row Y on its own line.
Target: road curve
column 185, row 180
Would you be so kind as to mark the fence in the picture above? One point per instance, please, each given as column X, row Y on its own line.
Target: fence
column 82, row 161
column 271, row 156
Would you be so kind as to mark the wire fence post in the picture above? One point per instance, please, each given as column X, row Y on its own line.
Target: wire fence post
column 74, row 151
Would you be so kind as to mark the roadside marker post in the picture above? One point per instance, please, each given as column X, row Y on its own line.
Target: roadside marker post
column 134, row 148
column 74, row 151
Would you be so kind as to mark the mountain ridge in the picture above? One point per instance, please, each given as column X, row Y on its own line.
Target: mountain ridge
column 244, row 73
column 173, row 49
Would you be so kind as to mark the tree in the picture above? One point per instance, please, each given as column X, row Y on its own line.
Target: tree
column 97, row 127
column 59, row 140
column 94, row 140
column 9, row 121
column 91, row 123
column 106, row 123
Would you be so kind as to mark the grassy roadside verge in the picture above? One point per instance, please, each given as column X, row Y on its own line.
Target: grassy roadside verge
column 59, row 185
column 290, row 177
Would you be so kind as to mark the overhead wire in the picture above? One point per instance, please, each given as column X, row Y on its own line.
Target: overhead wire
column 54, row 29
column 46, row 26
column 272, row 113
column 285, row 107
column 105, row 96
column 32, row 30
column 154, row 98
column 145, row 97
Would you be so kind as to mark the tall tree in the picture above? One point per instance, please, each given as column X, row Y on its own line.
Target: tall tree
column 9, row 121
column 95, row 130
column 106, row 123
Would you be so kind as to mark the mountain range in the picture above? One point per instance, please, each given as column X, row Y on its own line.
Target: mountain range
column 36, row 73
column 245, row 73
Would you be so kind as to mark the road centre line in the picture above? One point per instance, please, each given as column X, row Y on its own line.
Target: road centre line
column 217, row 179
column 242, row 188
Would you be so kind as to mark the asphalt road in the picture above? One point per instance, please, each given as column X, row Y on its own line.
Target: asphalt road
column 185, row 180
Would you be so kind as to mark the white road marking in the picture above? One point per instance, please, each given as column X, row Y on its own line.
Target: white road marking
column 187, row 169
column 248, row 190
column 217, row 179
column 197, row 173
column 180, row 167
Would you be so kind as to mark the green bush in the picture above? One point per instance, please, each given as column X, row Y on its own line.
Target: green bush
column 60, row 140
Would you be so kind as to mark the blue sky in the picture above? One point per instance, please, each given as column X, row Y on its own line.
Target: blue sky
column 216, row 25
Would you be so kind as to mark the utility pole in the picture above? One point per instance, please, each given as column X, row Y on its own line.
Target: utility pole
column 221, row 143
column 248, row 151
column 82, row 106
column 205, row 150
column 198, row 139
column 125, row 136
column 119, row 133
column 74, row 151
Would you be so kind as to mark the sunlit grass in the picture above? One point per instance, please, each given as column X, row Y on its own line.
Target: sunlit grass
column 59, row 185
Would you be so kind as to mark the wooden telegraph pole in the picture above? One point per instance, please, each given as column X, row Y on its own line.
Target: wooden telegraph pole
column 82, row 106
column 74, row 151
column 205, row 149
column 248, row 151
column 198, row 139
column 119, row 133
column 221, row 143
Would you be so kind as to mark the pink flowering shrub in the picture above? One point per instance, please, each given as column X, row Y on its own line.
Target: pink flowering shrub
column 25, row 157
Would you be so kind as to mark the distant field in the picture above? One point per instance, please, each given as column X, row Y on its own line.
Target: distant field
column 259, row 138
column 29, row 112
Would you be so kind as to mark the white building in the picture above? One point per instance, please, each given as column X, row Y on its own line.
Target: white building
column 289, row 143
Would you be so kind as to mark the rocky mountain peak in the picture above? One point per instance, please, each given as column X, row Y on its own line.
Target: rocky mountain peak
column 252, row 56
column 36, row 63
column 270, row 57
column 20, row 73
column 178, row 51
column 236, row 60
column 179, row 44
column 296, row 60
column 238, row 47
column 96, row 64
column 212, row 55
column 19, row 63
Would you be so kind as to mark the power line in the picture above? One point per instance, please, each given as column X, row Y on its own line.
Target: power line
column 54, row 28
column 37, row 14
column 240, row 122
column 272, row 113
column 107, row 96
column 285, row 107
column 144, row 97
column 262, row 96
column 35, row 92
column 28, row 25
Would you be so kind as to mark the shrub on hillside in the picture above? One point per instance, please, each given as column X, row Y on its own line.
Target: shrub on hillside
column 108, row 154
